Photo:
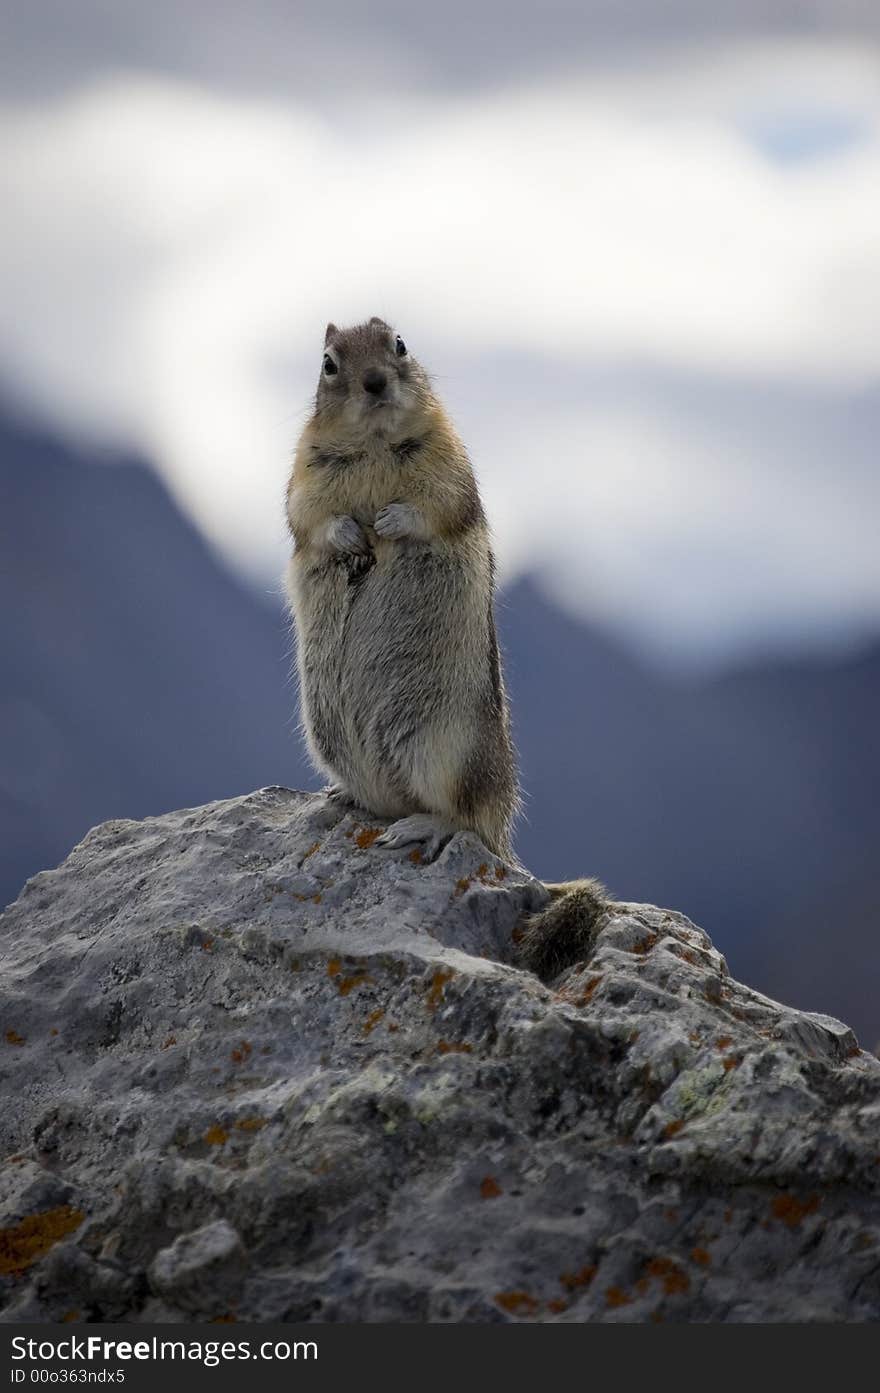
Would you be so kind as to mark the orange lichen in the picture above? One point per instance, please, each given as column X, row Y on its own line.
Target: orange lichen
column 250, row 1124
column 723, row 1041
column 792, row 1211
column 226, row 1319
column 453, row 1047
column 312, row 849
column 489, row 1188
column 462, row 885
column 616, row 1296
column 24, row 1243
column 500, row 872
column 216, row 1135
column 701, row 1257
column 316, row 899
column 644, row 945
column 582, row 1278
column 367, row 836
column 239, row 1055
column 557, row 1305
column 730, row 1061
column 357, row 979
column 344, row 985
column 517, row 1302
column 71, row 1315
column 13, row 1038
column 587, row 994
column 673, row 1278
column 415, row 855
column 373, row 1020
column 437, row 989
column 169, row 1041
column 673, row 1128
column 207, row 943
column 54, row 1030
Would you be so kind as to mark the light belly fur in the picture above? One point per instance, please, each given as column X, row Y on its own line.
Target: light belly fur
column 392, row 668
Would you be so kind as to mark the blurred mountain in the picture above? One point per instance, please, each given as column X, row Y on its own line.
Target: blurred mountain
column 748, row 799
column 139, row 676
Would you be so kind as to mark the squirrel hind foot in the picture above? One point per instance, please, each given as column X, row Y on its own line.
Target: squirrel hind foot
column 565, row 932
column 338, row 795
column 433, row 833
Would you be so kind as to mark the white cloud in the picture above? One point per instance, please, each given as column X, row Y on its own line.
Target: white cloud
column 171, row 255
column 694, row 537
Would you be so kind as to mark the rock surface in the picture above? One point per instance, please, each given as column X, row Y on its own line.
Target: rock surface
column 253, row 1066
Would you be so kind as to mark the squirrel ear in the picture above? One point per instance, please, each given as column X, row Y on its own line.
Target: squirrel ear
column 329, row 332
column 380, row 323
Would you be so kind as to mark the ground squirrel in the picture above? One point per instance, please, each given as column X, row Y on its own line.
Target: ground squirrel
column 391, row 587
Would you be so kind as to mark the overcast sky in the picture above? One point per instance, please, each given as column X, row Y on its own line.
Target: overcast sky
column 641, row 257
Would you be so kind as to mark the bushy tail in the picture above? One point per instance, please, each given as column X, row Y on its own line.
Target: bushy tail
column 564, row 932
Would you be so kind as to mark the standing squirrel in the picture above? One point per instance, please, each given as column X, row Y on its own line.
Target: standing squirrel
column 391, row 586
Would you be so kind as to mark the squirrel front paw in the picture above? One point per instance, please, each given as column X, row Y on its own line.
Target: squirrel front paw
column 345, row 535
column 398, row 520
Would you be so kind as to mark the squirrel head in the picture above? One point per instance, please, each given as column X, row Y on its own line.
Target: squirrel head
column 369, row 383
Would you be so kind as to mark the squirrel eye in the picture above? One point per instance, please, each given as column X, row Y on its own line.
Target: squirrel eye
column 400, row 347
column 330, row 367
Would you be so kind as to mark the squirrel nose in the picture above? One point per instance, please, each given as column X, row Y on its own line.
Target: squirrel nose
column 375, row 381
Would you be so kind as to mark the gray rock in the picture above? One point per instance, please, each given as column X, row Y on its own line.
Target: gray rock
column 253, row 1065
column 201, row 1269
